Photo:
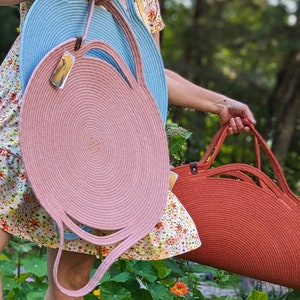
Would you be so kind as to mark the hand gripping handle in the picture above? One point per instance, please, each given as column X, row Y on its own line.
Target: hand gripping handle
column 219, row 139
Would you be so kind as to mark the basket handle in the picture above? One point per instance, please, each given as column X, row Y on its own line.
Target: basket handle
column 115, row 11
column 104, row 266
column 218, row 140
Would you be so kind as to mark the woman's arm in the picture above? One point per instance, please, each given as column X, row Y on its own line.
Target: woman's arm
column 10, row 2
column 186, row 94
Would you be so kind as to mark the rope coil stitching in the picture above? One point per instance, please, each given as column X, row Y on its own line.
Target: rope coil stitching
column 96, row 151
column 249, row 224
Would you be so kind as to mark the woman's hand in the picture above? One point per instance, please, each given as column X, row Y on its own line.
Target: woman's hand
column 232, row 112
column 186, row 94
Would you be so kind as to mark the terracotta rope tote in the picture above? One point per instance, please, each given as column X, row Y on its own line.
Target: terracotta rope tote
column 248, row 223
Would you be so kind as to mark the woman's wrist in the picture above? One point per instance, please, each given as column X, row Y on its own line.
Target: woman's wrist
column 221, row 104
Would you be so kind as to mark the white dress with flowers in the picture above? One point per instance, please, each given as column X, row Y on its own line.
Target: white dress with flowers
column 20, row 212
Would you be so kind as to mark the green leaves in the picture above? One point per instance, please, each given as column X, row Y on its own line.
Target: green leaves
column 294, row 295
column 158, row 291
column 256, row 295
column 177, row 137
column 162, row 269
column 35, row 265
column 9, row 283
column 23, row 271
column 24, row 278
column 145, row 271
column 114, row 291
column 141, row 294
column 7, row 267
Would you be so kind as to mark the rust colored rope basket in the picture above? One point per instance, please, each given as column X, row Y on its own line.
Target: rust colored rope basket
column 248, row 223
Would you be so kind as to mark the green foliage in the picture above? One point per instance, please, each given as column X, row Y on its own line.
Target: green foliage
column 9, row 23
column 177, row 137
column 24, row 277
column 256, row 295
column 295, row 295
column 24, row 272
column 236, row 48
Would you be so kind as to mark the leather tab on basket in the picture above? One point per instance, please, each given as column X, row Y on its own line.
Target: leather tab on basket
column 78, row 43
column 101, row 2
column 194, row 167
column 62, row 70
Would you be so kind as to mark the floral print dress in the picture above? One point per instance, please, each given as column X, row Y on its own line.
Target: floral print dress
column 20, row 212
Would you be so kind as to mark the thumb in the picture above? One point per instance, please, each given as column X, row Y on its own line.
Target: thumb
column 248, row 115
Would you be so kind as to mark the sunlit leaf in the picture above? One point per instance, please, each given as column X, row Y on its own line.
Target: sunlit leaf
column 35, row 295
column 162, row 269
column 257, row 295
column 114, row 291
column 9, row 283
column 35, row 265
column 158, row 291
column 145, row 270
column 7, row 267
